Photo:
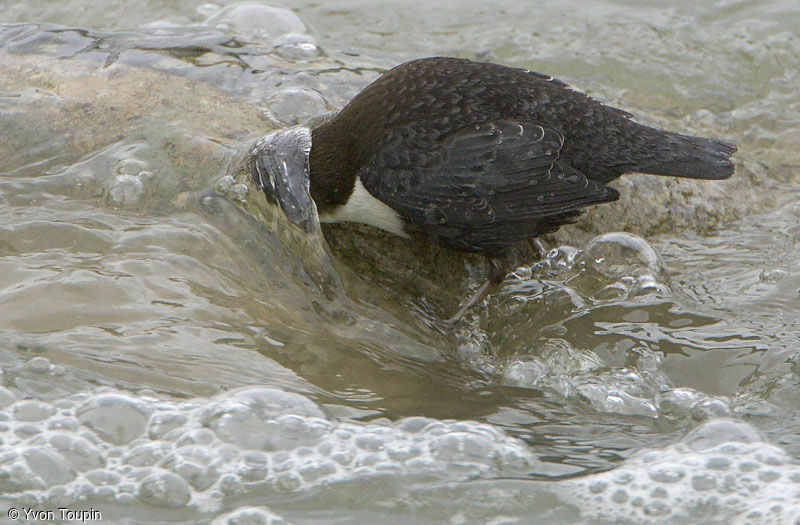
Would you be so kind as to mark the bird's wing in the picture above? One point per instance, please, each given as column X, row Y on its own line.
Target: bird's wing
column 500, row 172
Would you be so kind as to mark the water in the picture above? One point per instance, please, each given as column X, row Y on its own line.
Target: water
column 172, row 350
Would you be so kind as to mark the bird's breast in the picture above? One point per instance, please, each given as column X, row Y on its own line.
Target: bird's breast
column 362, row 207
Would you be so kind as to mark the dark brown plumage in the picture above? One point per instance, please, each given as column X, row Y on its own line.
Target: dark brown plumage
column 481, row 156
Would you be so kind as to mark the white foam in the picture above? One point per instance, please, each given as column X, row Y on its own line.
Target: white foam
column 118, row 447
column 721, row 472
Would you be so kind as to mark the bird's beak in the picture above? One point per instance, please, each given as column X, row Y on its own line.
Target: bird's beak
column 278, row 165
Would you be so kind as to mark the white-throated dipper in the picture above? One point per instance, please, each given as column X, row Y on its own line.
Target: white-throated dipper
column 480, row 156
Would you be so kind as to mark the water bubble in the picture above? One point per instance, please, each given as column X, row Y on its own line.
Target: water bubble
column 161, row 24
column 619, row 254
column 124, row 191
column 247, row 417
column 49, row 466
column 165, row 489
column 596, row 487
column 710, row 408
column 414, row 425
column 695, row 476
column 719, row 431
column 612, row 292
column 32, row 410
column 38, row 365
column 196, row 464
column 6, row 397
column 402, row 452
column 656, row 508
column 250, row 516
column 457, row 447
column 647, row 285
column 606, row 398
column 292, row 106
column 288, row 481
column 678, row 401
column 163, row 422
column 239, row 192
column 63, row 423
column 87, row 185
column 563, row 261
column 224, row 184
column 197, row 436
column 255, row 19
column 255, row 465
column 769, row 476
column 117, row 418
column 296, row 46
column 772, row 276
column 370, row 442
column 169, row 454
column 619, row 496
column 207, row 9
column 102, row 477
column 147, row 453
column 525, row 374
column 666, row 473
column 315, row 468
column 129, row 167
column 76, row 449
column 704, row 481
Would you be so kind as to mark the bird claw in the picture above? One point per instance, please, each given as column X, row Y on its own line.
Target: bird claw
column 498, row 268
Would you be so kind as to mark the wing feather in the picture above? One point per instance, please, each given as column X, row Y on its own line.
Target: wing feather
column 495, row 175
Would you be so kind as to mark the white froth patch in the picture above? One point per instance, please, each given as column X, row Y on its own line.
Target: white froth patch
column 120, row 448
column 364, row 208
column 721, row 472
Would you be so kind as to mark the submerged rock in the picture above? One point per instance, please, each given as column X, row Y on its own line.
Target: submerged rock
column 180, row 102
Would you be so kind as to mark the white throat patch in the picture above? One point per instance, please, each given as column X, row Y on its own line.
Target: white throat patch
column 364, row 208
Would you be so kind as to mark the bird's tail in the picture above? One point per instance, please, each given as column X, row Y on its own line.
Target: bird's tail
column 686, row 156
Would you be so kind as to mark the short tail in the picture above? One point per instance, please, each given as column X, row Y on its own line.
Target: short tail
column 686, row 156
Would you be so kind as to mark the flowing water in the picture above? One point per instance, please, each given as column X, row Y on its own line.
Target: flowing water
column 173, row 350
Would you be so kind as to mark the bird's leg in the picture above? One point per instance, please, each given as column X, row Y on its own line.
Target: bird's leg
column 498, row 268
column 538, row 247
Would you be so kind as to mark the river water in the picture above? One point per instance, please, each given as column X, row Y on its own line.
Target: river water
column 174, row 350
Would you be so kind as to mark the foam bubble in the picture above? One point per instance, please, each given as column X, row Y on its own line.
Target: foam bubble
column 258, row 418
column 116, row 447
column 257, row 20
column 250, row 516
column 124, row 191
column 582, row 375
column 6, row 397
column 721, row 471
column 294, row 105
column 640, row 389
column 296, row 46
column 81, row 453
column 116, row 418
column 162, row 488
column 129, row 166
column 615, row 254
column 32, row 410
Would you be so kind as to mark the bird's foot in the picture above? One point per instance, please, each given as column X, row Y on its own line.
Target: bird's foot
column 498, row 268
column 538, row 247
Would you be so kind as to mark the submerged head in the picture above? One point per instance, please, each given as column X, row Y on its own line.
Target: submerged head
column 278, row 164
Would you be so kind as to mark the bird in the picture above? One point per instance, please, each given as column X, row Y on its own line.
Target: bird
column 480, row 157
